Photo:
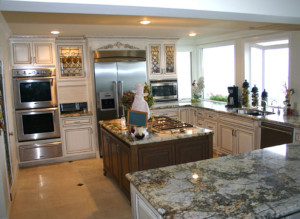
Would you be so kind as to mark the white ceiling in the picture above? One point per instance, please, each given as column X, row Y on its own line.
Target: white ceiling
column 31, row 18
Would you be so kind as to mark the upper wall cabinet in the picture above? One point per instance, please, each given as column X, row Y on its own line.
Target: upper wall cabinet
column 71, row 60
column 32, row 53
column 162, row 59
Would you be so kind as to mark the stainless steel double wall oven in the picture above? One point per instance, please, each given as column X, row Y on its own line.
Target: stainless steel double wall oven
column 36, row 111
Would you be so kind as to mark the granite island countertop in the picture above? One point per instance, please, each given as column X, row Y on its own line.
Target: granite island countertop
column 293, row 121
column 116, row 128
column 263, row 183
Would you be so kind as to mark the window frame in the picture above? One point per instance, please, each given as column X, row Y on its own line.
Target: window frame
column 213, row 45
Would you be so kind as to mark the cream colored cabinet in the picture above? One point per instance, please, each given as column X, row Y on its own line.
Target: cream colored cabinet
column 213, row 125
column 226, row 139
column 237, row 135
column 77, row 135
column 170, row 112
column 32, row 53
column 140, row 207
column 162, row 59
column 184, row 115
column 71, row 60
column 193, row 116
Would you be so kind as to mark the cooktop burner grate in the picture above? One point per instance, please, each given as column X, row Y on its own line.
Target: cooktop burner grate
column 165, row 123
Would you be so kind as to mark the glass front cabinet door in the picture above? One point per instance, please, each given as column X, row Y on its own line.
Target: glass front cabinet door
column 162, row 59
column 71, row 61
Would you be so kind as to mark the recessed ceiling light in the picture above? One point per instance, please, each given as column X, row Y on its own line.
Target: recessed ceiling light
column 192, row 34
column 145, row 22
column 55, row 32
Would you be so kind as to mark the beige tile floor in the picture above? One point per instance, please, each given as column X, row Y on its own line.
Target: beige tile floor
column 52, row 192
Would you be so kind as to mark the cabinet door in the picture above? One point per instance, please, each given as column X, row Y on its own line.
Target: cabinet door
column 106, row 152
column 114, row 147
column 43, row 53
column 212, row 125
column 78, row 140
column 245, row 141
column 191, row 151
column 71, row 62
column 155, row 59
column 21, row 53
column 193, row 117
column 169, row 59
column 124, row 156
column 155, row 157
column 184, row 115
column 226, row 139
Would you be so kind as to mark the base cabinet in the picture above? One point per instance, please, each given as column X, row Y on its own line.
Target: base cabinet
column 77, row 135
column 120, row 158
column 78, row 140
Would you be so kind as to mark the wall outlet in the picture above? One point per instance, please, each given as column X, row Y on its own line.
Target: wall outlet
column 297, row 137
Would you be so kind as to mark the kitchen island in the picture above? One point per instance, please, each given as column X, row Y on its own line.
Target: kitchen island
column 124, row 153
column 263, row 183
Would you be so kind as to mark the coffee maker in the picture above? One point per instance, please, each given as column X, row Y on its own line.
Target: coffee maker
column 233, row 98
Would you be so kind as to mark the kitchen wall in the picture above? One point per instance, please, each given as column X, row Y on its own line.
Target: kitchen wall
column 4, row 187
column 239, row 39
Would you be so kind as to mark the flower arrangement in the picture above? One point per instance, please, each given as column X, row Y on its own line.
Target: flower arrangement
column 128, row 97
column 197, row 88
column 288, row 93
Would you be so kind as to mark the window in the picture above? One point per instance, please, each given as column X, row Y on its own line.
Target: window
column 218, row 71
column 184, row 74
column 269, row 67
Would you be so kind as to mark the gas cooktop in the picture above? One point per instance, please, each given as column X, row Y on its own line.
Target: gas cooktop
column 165, row 123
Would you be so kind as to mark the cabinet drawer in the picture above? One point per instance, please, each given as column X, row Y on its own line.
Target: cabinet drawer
column 236, row 120
column 200, row 113
column 201, row 123
column 77, row 121
column 40, row 151
column 211, row 115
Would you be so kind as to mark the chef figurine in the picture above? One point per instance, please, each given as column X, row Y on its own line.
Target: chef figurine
column 139, row 103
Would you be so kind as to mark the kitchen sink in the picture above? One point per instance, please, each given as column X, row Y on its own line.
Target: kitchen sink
column 259, row 113
column 251, row 112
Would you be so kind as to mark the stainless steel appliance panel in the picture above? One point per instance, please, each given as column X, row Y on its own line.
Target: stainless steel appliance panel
column 164, row 90
column 105, row 80
column 35, row 92
column 40, row 151
column 37, row 124
column 129, row 74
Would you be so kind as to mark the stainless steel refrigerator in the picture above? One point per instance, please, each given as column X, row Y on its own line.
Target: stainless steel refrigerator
column 116, row 72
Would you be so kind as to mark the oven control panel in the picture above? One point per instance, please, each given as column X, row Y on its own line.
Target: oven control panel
column 16, row 73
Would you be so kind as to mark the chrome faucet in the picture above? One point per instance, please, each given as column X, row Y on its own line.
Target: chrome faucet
column 278, row 111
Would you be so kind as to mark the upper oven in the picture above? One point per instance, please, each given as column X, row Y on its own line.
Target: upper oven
column 34, row 89
column 164, row 90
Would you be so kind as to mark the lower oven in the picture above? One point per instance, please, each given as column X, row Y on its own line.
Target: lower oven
column 164, row 90
column 36, row 124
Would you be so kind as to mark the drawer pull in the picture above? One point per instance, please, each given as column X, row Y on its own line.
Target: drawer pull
column 210, row 127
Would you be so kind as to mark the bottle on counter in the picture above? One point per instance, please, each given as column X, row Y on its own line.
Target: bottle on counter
column 254, row 96
column 245, row 94
column 264, row 98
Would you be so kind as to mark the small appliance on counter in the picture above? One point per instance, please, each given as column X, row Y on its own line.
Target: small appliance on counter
column 73, row 107
column 233, row 97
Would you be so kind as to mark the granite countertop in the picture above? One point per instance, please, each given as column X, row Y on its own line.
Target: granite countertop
column 116, row 128
column 259, row 184
column 293, row 121
column 76, row 114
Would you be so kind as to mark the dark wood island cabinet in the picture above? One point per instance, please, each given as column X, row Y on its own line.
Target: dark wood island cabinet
column 123, row 153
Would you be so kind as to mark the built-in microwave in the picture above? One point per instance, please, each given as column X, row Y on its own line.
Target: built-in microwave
column 164, row 90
